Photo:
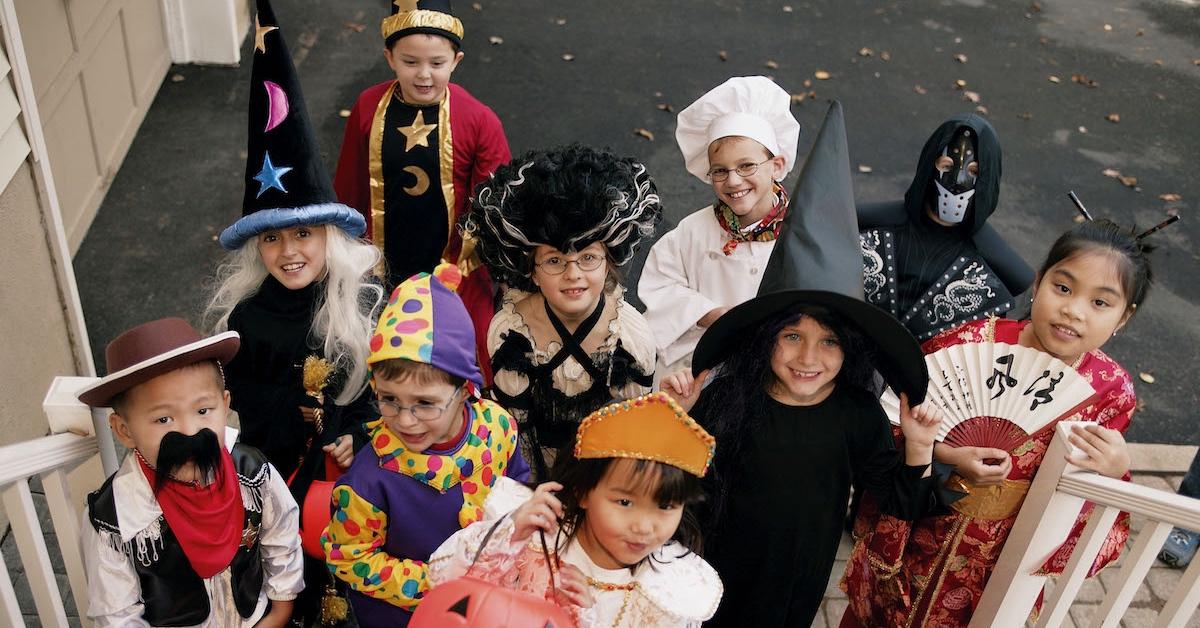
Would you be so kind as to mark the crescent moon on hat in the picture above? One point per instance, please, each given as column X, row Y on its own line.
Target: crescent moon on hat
column 422, row 181
column 277, row 105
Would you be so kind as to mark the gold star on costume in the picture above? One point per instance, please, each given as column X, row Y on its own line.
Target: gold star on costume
column 406, row 5
column 417, row 133
column 260, row 32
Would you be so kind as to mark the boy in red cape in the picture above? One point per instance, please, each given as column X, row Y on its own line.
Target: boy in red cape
column 414, row 149
column 189, row 531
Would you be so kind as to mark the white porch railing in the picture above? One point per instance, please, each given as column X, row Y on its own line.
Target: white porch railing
column 51, row 458
column 1054, row 500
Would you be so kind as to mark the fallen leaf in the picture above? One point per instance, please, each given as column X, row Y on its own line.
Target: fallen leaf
column 1170, row 197
column 822, row 75
column 787, row 8
column 1084, row 80
column 1108, row 28
column 1158, row 62
column 560, row 21
column 920, row 90
column 970, row 95
column 495, row 40
column 658, row 94
column 1146, row 377
column 662, row 106
column 1139, row 33
column 807, row 83
column 772, row 64
column 1079, row 219
column 1160, row 95
column 1025, row 115
column 812, row 94
column 865, row 52
column 568, row 57
column 1083, row 129
column 644, row 133
column 476, row 6
column 887, row 56
column 356, row 27
column 865, row 169
column 960, row 57
column 1109, row 172
column 960, row 84
column 1035, row 8
column 1113, row 117
column 1129, row 182
column 1054, row 79
column 1195, row 61
column 214, row 238
column 1043, row 40
column 343, row 113
column 981, row 110
column 176, row 78
column 798, row 98
column 724, row 56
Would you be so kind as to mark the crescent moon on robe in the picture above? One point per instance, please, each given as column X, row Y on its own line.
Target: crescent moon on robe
column 277, row 105
column 422, row 181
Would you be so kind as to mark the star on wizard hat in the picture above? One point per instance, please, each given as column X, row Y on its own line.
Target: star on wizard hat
column 818, row 261
column 286, row 182
column 432, row 17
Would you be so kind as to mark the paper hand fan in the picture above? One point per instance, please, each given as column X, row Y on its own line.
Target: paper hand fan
column 993, row 394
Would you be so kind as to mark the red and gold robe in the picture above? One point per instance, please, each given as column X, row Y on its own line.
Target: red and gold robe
column 933, row 572
column 470, row 145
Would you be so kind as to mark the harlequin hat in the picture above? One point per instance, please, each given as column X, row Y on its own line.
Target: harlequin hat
column 566, row 198
column 425, row 321
column 651, row 427
column 286, row 181
column 745, row 106
column 432, row 17
column 817, row 260
column 152, row 349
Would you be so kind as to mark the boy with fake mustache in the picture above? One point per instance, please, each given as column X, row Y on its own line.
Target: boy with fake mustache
column 192, row 530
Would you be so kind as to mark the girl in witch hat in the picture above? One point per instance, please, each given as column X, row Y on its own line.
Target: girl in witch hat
column 1095, row 277
column 794, row 409
column 555, row 225
column 299, row 287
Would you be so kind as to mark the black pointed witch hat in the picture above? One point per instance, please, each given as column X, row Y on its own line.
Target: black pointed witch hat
column 817, row 260
column 286, row 181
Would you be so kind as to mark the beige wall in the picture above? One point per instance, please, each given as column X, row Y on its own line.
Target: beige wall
column 96, row 66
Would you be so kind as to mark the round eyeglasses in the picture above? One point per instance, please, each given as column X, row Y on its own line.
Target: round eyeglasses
column 743, row 171
column 420, row 411
column 555, row 265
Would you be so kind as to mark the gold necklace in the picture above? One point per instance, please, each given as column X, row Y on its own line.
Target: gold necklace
column 628, row 588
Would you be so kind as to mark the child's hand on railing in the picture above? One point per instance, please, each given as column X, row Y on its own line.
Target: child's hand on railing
column 1104, row 450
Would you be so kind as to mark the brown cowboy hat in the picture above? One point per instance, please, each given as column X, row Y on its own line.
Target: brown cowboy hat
column 152, row 349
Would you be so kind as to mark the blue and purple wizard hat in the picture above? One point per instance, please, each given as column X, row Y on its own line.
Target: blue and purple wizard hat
column 286, row 182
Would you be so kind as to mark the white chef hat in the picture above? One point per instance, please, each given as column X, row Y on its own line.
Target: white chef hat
column 746, row 106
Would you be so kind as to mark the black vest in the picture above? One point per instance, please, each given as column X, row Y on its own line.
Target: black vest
column 172, row 592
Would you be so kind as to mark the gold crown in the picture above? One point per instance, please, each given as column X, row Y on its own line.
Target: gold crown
column 651, row 427
column 421, row 18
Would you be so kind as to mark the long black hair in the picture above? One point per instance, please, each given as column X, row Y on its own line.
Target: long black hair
column 669, row 485
column 735, row 401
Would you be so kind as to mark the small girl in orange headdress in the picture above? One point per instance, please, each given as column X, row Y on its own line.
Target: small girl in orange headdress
column 624, row 534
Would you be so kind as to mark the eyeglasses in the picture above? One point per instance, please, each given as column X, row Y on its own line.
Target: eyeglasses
column 556, row 265
column 420, row 411
column 744, row 170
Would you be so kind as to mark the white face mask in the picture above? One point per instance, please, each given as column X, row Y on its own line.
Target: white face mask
column 952, row 208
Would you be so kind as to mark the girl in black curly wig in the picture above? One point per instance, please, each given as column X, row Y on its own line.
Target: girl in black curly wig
column 553, row 226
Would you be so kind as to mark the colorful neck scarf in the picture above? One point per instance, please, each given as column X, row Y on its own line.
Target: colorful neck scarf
column 768, row 228
column 207, row 520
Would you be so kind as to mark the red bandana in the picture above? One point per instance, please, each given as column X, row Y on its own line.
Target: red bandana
column 206, row 520
column 768, row 228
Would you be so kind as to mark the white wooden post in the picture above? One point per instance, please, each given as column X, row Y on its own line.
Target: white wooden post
column 1042, row 525
column 18, row 503
column 206, row 31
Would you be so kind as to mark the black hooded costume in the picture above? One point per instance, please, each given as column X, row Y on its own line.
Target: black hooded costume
column 933, row 277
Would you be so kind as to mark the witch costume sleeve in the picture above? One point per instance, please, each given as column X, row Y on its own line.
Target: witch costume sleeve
column 935, row 276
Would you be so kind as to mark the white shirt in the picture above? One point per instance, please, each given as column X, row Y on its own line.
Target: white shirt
column 687, row 275
column 114, row 592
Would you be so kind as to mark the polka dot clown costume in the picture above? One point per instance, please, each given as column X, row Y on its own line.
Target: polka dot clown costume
column 395, row 506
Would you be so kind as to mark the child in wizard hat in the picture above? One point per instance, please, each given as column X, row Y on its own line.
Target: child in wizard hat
column 435, row 453
column 794, row 409
column 193, row 529
column 298, row 285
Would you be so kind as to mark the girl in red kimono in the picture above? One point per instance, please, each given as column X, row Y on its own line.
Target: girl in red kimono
column 933, row 571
